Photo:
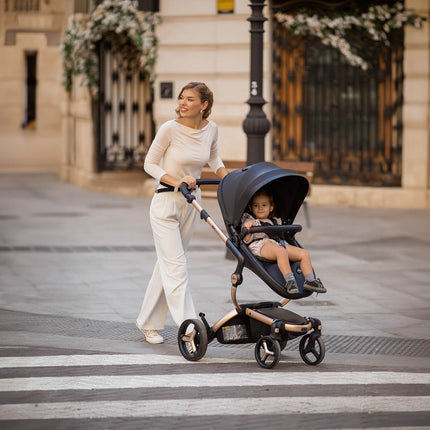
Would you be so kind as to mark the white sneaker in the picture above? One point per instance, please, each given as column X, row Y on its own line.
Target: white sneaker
column 152, row 336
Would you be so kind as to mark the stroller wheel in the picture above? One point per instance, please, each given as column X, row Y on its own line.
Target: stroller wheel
column 192, row 339
column 267, row 352
column 312, row 349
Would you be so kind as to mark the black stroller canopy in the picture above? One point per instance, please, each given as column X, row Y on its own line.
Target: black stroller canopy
column 235, row 190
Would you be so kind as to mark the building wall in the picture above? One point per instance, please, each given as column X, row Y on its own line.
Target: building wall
column 415, row 189
column 198, row 44
column 195, row 43
column 416, row 112
column 36, row 148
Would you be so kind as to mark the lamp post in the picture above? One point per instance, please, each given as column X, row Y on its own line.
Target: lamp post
column 256, row 125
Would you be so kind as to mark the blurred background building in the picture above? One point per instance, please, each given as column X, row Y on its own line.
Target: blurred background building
column 366, row 131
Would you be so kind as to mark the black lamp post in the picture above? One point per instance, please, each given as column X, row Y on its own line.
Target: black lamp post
column 256, row 125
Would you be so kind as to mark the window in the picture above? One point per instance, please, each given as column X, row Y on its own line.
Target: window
column 29, row 122
column 21, row 6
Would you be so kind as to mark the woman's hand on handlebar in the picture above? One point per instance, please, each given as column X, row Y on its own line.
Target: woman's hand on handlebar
column 189, row 180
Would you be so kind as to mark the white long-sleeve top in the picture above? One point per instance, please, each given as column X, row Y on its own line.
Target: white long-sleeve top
column 183, row 151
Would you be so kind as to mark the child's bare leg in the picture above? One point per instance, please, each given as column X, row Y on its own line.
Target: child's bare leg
column 272, row 251
column 299, row 254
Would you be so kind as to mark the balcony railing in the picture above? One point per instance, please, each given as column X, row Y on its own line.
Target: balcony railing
column 21, row 5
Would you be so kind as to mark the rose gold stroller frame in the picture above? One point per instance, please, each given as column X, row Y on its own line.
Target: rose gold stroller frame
column 194, row 335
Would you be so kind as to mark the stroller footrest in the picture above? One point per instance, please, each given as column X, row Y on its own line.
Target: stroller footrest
column 291, row 321
column 283, row 315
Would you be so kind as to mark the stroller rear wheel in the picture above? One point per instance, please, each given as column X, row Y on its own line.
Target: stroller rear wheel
column 312, row 349
column 267, row 352
column 192, row 339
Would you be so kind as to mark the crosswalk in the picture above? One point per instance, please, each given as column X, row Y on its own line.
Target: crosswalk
column 161, row 391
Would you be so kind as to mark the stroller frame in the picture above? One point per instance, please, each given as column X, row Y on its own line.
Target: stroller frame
column 267, row 324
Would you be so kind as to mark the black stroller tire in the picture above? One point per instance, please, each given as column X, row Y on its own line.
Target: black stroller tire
column 267, row 352
column 312, row 349
column 192, row 339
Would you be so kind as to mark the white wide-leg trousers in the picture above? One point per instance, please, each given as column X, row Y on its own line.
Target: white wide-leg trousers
column 173, row 223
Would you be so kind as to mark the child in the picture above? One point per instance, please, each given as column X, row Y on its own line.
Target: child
column 262, row 245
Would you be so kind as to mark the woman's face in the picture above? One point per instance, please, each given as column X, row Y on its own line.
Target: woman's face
column 261, row 206
column 190, row 104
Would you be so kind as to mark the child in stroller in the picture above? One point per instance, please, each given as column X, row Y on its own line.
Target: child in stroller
column 262, row 245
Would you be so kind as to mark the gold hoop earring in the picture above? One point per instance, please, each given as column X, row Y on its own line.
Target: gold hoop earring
column 201, row 111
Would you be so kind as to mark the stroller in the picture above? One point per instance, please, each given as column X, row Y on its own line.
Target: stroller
column 267, row 324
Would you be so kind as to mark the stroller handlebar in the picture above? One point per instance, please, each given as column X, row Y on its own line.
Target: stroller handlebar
column 275, row 230
column 213, row 181
column 187, row 191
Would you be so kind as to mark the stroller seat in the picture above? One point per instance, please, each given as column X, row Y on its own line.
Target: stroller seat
column 288, row 189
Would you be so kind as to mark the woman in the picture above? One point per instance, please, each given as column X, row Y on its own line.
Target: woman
column 178, row 153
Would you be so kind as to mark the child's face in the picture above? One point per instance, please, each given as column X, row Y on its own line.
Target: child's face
column 261, row 207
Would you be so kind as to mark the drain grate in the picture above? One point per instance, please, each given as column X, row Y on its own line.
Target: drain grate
column 95, row 329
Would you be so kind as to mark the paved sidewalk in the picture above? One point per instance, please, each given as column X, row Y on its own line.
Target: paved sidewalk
column 71, row 259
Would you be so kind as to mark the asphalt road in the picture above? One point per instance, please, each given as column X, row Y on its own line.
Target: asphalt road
column 73, row 269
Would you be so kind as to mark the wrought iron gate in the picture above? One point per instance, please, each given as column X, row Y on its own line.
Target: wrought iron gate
column 346, row 120
column 125, row 120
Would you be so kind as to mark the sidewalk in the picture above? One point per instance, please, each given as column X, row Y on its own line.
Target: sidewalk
column 71, row 255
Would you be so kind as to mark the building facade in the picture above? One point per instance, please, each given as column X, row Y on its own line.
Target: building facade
column 43, row 128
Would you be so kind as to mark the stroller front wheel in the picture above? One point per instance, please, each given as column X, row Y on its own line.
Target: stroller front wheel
column 192, row 339
column 267, row 352
column 312, row 349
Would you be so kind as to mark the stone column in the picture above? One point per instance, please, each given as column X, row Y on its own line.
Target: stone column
column 416, row 110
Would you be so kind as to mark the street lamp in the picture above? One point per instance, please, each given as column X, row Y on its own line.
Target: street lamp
column 256, row 125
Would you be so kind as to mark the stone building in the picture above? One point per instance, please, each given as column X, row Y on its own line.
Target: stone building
column 375, row 155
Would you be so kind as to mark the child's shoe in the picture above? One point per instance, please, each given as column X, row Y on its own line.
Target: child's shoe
column 316, row 286
column 291, row 286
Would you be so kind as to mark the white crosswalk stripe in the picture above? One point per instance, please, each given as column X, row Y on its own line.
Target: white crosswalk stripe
column 148, row 372
column 202, row 407
column 102, row 360
column 210, row 380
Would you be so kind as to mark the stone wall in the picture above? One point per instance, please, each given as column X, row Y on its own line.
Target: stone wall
column 36, row 147
column 198, row 44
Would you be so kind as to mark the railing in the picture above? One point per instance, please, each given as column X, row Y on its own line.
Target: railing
column 21, row 5
column 125, row 123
